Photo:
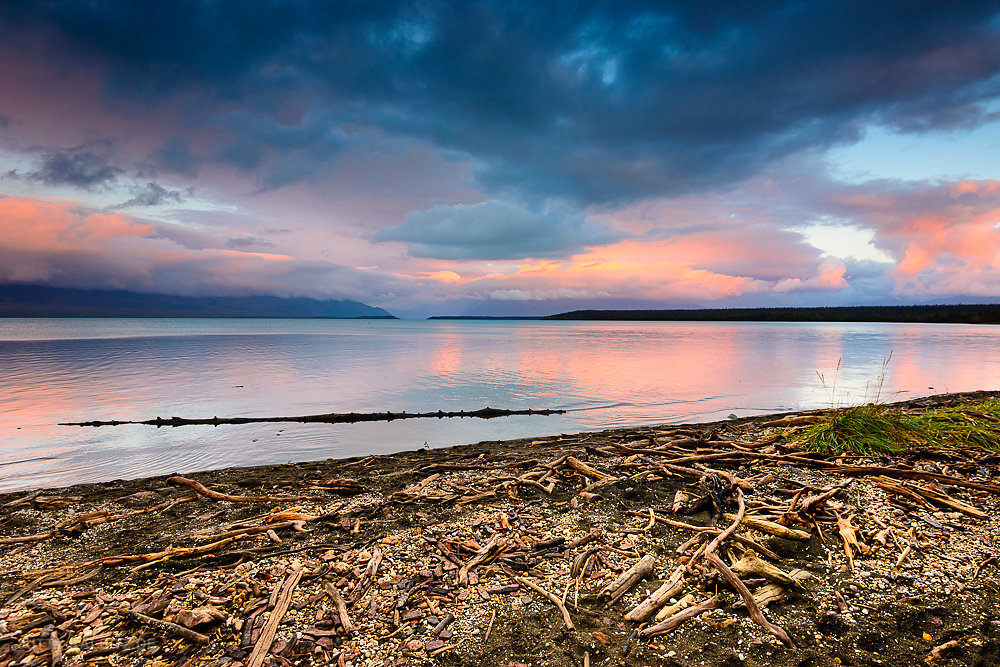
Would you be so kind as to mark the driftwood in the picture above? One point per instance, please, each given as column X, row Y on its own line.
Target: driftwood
column 588, row 471
column 203, row 490
column 938, row 651
column 672, row 609
column 765, row 595
column 491, row 551
column 338, row 600
column 755, row 613
column 750, row 565
column 328, row 418
column 658, row 598
column 708, row 530
column 849, row 536
column 680, row 502
column 620, row 586
column 671, row 623
column 173, row 628
column 772, row 528
column 551, row 598
column 166, row 554
column 271, row 627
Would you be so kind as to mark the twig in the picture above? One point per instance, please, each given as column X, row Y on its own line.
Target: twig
column 338, row 600
column 489, row 628
column 552, row 598
column 178, row 630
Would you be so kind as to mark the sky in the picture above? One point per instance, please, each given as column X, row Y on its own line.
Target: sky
column 505, row 158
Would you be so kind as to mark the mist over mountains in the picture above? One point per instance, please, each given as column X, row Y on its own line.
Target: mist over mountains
column 40, row 301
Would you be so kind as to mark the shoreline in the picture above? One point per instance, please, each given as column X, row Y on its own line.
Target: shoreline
column 447, row 556
column 511, row 443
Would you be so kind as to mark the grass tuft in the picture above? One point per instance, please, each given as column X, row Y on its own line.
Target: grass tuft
column 873, row 429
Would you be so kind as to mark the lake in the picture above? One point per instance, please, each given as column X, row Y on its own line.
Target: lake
column 605, row 374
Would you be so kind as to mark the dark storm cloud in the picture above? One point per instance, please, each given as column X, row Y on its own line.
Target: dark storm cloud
column 598, row 102
column 176, row 156
column 152, row 194
column 87, row 167
column 497, row 230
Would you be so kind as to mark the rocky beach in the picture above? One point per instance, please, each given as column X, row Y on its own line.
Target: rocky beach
column 727, row 543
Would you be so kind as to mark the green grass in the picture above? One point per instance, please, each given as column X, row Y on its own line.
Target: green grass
column 873, row 429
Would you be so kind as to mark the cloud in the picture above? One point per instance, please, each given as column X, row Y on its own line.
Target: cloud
column 176, row 156
column 610, row 103
column 5, row 121
column 87, row 166
column 248, row 242
column 152, row 194
column 944, row 236
column 65, row 245
column 497, row 230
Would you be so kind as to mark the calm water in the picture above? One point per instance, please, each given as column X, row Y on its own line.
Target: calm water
column 606, row 374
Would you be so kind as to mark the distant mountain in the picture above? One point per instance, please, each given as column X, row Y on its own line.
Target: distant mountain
column 941, row 313
column 38, row 301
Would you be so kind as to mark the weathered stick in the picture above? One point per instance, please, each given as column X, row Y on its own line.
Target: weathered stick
column 671, row 623
column 755, row 613
column 938, row 651
column 620, row 586
column 338, row 600
column 772, row 528
column 296, row 524
column 203, row 490
column 173, row 628
column 442, row 624
column 658, row 598
column 271, row 627
column 948, row 501
column 739, row 517
column 552, row 598
column 493, row 548
column 55, row 648
column 708, row 530
column 586, row 470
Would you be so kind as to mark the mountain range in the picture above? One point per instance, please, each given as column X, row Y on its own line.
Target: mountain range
column 41, row 301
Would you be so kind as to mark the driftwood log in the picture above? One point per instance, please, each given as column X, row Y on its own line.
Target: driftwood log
column 624, row 583
column 327, row 418
column 670, row 624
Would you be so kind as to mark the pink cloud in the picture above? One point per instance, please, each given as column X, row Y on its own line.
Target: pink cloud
column 945, row 235
column 64, row 244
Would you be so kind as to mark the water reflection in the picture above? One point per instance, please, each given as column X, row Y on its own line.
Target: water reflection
column 607, row 374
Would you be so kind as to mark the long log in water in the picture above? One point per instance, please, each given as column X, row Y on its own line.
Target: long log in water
column 330, row 418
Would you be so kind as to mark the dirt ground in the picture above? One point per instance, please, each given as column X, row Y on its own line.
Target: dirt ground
column 438, row 556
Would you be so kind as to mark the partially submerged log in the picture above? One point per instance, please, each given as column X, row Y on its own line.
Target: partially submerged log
column 328, row 418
